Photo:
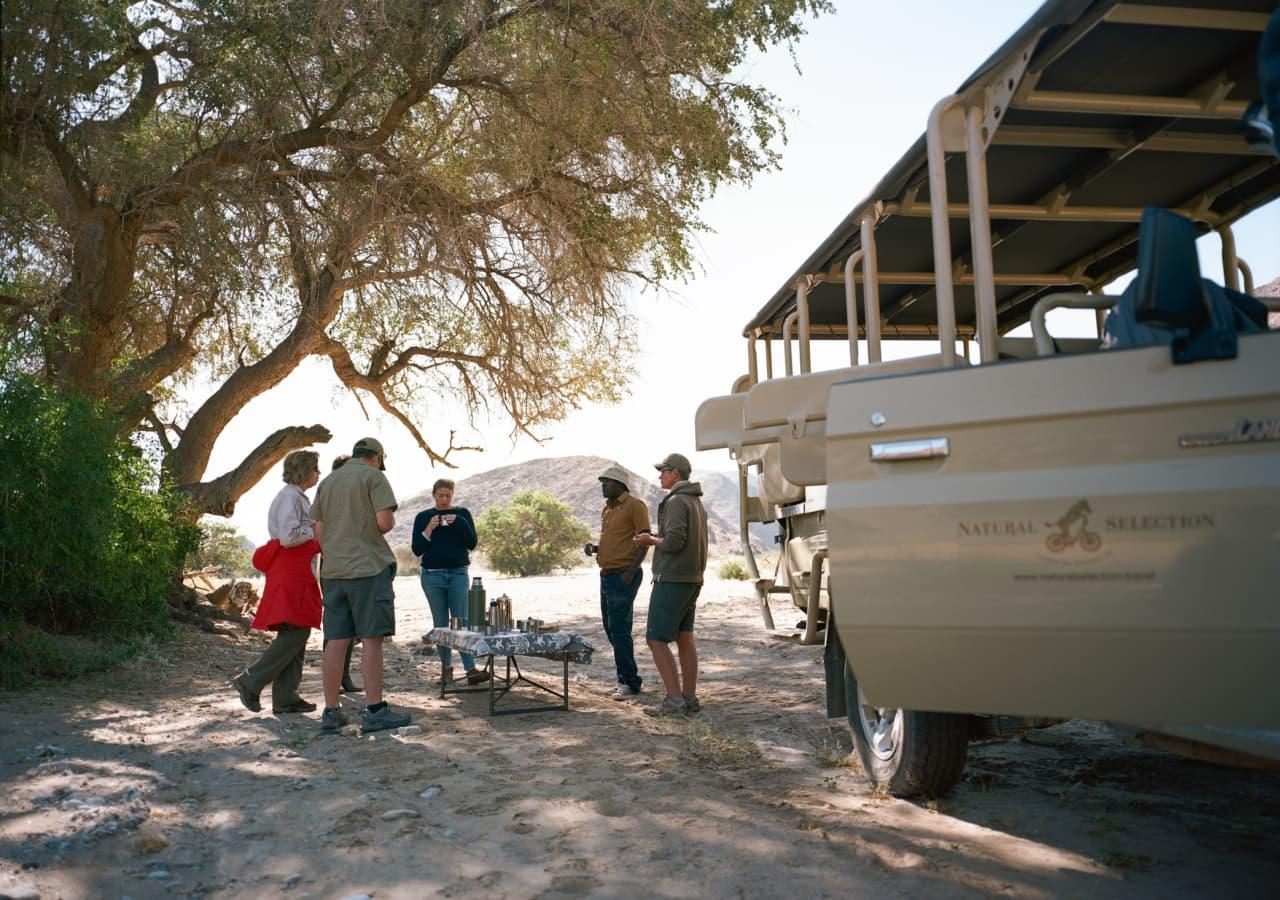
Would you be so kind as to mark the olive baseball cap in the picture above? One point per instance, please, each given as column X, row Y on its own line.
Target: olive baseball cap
column 368, row 445
column 677, row 461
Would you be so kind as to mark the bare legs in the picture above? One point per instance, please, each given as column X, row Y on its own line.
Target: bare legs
column 685, row 680
column 371, row 669
column 335, row 655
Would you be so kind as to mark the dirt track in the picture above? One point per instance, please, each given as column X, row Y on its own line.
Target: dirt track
column 151, row 780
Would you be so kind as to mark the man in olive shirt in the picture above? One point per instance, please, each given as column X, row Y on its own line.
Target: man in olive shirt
column 679, row 559
column 622, row 518
column 354, row 508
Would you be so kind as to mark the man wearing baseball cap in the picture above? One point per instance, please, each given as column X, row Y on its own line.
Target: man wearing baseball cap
column 354, row 509
column 623, row 517
column 679, row 559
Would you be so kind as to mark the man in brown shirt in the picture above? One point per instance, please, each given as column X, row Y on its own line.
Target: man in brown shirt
column 622, row 518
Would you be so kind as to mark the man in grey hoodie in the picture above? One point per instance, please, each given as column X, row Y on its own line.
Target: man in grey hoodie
column 679, row 559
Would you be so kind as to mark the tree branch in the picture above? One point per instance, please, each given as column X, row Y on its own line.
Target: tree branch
column 345, row 368
column 218, row 497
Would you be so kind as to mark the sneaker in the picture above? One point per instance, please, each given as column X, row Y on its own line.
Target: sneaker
column 478, row 676
column 624, row 692
column 670, row 706
column 691, row 705
column 247, row 697
column 332, row 720
column 382, row 720
column 296, row 705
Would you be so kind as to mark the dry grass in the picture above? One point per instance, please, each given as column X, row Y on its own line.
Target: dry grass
column 720, row 750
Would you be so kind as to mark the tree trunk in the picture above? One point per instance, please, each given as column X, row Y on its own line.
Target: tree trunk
column 94, row 301
column 187, row 463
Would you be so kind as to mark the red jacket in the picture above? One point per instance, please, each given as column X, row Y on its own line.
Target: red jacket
column 291, row 596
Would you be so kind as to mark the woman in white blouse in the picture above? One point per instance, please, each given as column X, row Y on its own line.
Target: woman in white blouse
column 291, row 598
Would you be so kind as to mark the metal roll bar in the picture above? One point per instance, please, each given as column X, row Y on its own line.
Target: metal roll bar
column 1061, row 299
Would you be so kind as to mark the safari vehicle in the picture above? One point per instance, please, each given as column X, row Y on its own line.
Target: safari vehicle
column 1011, row 529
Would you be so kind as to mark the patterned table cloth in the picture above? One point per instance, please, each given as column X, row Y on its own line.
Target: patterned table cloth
column 559, row 645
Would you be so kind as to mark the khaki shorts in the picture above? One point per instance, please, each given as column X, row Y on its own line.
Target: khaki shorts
column 359, row 607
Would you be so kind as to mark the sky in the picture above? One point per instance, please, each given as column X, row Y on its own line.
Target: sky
column 869, row 74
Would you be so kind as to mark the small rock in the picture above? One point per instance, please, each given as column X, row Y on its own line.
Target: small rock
column 291, row 882
column 433, row 791
column 20, row 892
column 148, row 842
column 406, row 730
column 358, row 897
column 158, row 874
column 405, row 813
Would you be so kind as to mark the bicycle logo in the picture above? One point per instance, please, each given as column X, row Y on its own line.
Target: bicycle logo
column 1073, row 528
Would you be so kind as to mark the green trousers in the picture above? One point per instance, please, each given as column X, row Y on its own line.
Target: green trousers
column 280, row 665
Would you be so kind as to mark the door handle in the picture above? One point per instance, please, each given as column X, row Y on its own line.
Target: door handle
column 897, row 451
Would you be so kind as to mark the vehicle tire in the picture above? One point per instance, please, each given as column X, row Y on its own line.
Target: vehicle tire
column 904, row 752
column 1090, row 542
column 1056, row 543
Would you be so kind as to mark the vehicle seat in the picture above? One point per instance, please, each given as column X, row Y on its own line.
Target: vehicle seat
column 1169, row 303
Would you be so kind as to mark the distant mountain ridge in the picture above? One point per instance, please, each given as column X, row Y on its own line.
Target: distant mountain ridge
column 575, row 480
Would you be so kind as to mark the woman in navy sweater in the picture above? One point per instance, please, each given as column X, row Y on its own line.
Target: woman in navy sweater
column 443, row 538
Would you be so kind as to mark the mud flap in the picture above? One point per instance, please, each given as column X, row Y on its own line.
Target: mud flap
column 833, row 671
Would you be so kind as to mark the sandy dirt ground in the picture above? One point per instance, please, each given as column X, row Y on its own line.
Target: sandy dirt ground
column 151, row 780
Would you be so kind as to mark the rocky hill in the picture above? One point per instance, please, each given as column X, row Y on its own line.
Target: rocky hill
column 1270, row 289
column 574, row 480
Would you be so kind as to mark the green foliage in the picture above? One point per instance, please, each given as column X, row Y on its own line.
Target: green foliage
column 88, row 541
column 732, row 570
column 224, row 548
column 532, row 536
column 446, row 200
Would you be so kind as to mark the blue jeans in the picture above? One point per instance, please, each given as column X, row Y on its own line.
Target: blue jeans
column 617, row 600
column 446, row 591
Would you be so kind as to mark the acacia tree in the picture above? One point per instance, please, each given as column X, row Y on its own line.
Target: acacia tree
column 441, row 198
column 533, row 535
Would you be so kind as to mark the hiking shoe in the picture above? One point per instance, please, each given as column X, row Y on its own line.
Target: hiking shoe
column 296, row 705
column 247, row 697
column 332, row 720
column 624, row 692
column 382, row 720
column 691, row 705
column 670, row 706
column 478, row 676
column 349, row 686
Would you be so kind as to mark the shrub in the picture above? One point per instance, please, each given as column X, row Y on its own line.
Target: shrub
column 732, row 570
column 89, row 541
column 223, row 548
column 406, row 562
column 532, row 536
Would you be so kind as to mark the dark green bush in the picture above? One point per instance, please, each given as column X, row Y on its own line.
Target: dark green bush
column 88, row 540
column 532, row 536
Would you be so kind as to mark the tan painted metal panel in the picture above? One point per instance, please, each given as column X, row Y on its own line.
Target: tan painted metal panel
column 1068, row 557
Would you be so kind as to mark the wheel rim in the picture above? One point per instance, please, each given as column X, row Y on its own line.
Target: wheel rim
column 881, row 727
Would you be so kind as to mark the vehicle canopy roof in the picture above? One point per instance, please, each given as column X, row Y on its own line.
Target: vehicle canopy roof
column 1093, row 111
